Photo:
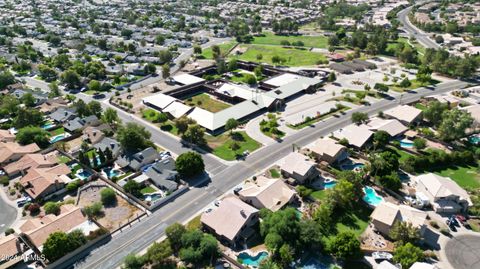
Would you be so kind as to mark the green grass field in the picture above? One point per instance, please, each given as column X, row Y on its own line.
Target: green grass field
column 220, row 145
column 415, row 85
column 392, row 45
column 465, row 176
column 292, row 56
column 57, row 131
column 274, row 173
column 403, row 155
column 147, row 190
column 206, row 102
column 224, row 48
column 309, row 41
column 150, row 114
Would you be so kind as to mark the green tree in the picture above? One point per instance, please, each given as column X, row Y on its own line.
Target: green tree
column 189, row 164
column 47, row 73
column 181, row 124
column 58, row 244
column 407, row 255
column 404, row 232
column 94, row 85
column 384, row 163
column 52, row 208
column 93, row 210
column 6, row 78
column 28, row 135
column 405, row 83
column 286, row 255
column 195, row 135
column 54, row 90
column 108, row 197
column 424, row 75
column 280, row 228
column 165, row 71
column 95, row 108
column 110, row 116
column 159, row 253
column 359, row 117
column 28, row 100
column 391, row 181
column 231, row 124
column 133, row 262
column 198, row 248
column 174, row 234
column 197, row 49
column 250, row 79
column 434, row 112
column 454, row 124
column 134, row 137
column 419, row 143
column 71, row 79
column 232, row 65
column 133, row 188
column 28, row 117
column 345, row 245
column 381, row 139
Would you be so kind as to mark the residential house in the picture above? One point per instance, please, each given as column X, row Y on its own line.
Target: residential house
column 6, row 136
column 110, row 143
column 232, row 221
column 93, row 134
column 52, row 104
column 78, row 124
column 393, row 127
column 327, row 150
column 357, row 136
column 386, row 214
column 70, row 218
column 42, row 182
column 12, row 151
column 163, row 174
column 139, row 159
column 299, row 167
column 10, row 246
column 444, row 194
column 263, row 192
column 405, row 114
column 62, row 115
column 35, row 160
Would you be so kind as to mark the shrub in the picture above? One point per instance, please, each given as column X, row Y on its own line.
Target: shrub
column 434, row 224
column 4, row 180
column 445, row 231
column 108, row 196
column 34, row 209
column 9, row 231
column 93, row 210
column 72, row 186
column 52, row 208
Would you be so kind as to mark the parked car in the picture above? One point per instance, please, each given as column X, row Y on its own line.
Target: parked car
column 461, row 219
column 454, row 221
column 23, row 201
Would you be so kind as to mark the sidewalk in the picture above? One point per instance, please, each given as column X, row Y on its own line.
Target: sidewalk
column 253, row 130
column 10, row 208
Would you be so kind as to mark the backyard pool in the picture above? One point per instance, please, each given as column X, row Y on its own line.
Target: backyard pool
column 371, row 196
column 152, row 197
column 329, row 184
column 110, row 172
column 474, row 139
column 406, row 143
column 48, row 125
column 313, row 263
column 252, row 261
column 82, row 174
column 352, row 166
column 57, row 138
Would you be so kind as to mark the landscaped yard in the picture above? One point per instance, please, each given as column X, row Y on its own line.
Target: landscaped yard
column 465, row 176
column 63, row 159
column 420, row 106
column 314, row 120
column 224, row 48
column 273, row 39
column 403, row 155
column 150, row 114
column 415, row 85
column 147, row 189
column 57, row 131
column 392, row 45
column 170, row 127
column 292, row 56
column 207, row 102
column 274, row 173
column 221, row 145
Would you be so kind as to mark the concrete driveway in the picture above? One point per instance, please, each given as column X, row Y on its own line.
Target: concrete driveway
column 463, row 251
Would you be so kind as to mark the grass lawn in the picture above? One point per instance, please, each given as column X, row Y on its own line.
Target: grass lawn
column 206, row 102
column 274, row 173
column 415, row 85
column 465, row 176
column 355, row 221
column 220, row 145
column 392, row 45
column 147, row 189
column 63, row 159
column 420, row 106
column 319, row 195
column 269, row 38
column 170, row 127
column 75, row 168
column 57, row 131
column 403, row 155
column 292, row 56
column 194, row 223
column 224, row 48
column 314, row 120
column 150, row 114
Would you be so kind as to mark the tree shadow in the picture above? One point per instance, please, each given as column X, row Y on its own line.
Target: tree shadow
column 237, row 137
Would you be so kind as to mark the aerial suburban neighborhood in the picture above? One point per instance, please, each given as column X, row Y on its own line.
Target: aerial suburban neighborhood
column 262, row 134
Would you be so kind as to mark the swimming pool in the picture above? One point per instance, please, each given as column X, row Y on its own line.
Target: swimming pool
column 352, row 166
column 329, row 185
column 82, row 175
column 145, row 168
column 406, row 143
column 474, row 139
column 48, row 125
column 313, row 263
column 110, row 172
column 57, row 138
column 252, row 261
column 371, row 196
column 152, row 197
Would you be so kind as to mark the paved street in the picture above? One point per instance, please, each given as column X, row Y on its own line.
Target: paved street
column 463, row 251
column 412, row 30
column 8, row 214
column 180, row 210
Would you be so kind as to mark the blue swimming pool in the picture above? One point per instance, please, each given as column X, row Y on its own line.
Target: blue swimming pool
column 57, row 138
column 83, row 175
column 329, row 185
column 313, row 263
column 352, row 166
column 252, row 261
column 474, row 139
column 152, row 197
column 110, row 172
column 145, row 168
column 48, row 125
column 406, row 143
column 371, row 196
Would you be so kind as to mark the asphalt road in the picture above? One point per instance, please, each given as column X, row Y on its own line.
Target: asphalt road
column 412, row 30
column 8, row 214
column 463, row 252
column 141, row 235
